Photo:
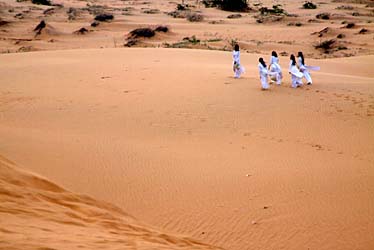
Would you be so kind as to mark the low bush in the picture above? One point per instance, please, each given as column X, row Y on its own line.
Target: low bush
column 162, row 29
column 276, row 10
column 363, row 31
column 194, row 17
column 323, row 15
column 104, row 17
column 228, row 5
column 350, row 25
column 42, row 2
column 309, row 5
column 326, row 45
column 233, row 16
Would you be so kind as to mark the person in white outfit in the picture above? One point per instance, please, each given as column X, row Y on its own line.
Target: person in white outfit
column 296, row 75
column 237, row 67
column 275, row 68
column 262, row 69
column 303, row 68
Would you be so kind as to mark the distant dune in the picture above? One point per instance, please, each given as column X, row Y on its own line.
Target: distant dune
column 293, row 29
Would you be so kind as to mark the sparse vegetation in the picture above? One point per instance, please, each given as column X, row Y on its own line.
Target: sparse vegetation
column 233, row 16
column 322, row 32
column 151, row 11
column 228, row 5
column 326, row 45
column 309, row 5
column 38, row 29
column 274, row 14
column 182, row 7
column 72, row 13
column 323, row 15
column 214, row 40
column 95, row 24
column 104, row 17
column 177, row 14
column 344, row 7
column 340, row 36
column 276, row 10
column 194, row 17
column 19, row 16
column 3, row 22
column 134, row 35
column 142, row 32
column 192, row 39
column 234, row 5
column 341, row 47
column 81, row 31
column 363, row 31
column 232, row 42
column 211, row 3
column 193, row 42
column 131, row 42
column 350, row 25
column 42, row 2
column 162, row 29
column 95, row 9
column 297, row 24
column 49, row 11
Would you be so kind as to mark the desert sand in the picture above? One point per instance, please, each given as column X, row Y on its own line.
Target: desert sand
column 41, row 215
column 168, row 136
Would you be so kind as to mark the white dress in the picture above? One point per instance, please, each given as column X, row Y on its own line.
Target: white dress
column 276, row 69
column 263, row 76
column 237, row 67
column 296, row 76
column 304, row 70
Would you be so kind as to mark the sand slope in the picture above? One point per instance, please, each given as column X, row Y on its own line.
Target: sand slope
column 37, row 214
column 170, row 137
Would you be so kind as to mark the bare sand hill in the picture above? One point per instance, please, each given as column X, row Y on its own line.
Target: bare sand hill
column 293, row 29
column 37, row 214
column 171, row 138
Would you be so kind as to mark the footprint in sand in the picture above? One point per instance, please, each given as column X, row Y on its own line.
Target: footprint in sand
column 317, row 146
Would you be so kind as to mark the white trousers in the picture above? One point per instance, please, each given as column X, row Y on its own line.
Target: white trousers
column 296, row 81
column 307, row 76
column 264, row 82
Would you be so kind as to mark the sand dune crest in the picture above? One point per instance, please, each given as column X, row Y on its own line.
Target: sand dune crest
column 38, row 214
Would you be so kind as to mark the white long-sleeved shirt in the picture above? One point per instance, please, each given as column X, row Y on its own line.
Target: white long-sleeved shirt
column 236, row 56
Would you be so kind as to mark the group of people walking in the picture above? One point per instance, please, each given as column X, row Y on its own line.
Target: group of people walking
column 298, row 70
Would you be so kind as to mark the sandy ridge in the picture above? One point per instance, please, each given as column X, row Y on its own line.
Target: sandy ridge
column 38, row 214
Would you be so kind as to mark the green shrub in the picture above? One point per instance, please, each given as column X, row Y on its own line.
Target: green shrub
column 228, row 5
column 309, row 5
column 42, row 2
column 326, row 46
column 276, row 10
column 323, row 15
